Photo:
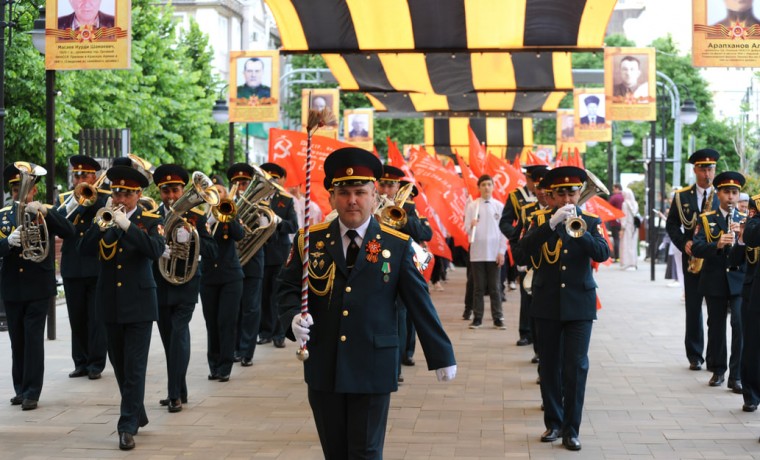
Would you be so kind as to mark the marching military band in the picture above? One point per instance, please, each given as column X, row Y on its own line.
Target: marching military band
column 127, row 262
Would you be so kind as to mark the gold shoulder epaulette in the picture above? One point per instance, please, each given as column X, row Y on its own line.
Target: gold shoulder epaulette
column 198, row 211
column 409, row 201
column 394, row 232
column 542, row 212
column 285, row 194
column 742, row 214
column 104, row 192
column 705, row 214
column 317, row 227
column 684, row 189
column 590, row 214
column 150, row 214
column 6, row 208
column 62, row 196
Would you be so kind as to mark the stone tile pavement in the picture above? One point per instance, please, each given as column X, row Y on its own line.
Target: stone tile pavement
column 641, row 402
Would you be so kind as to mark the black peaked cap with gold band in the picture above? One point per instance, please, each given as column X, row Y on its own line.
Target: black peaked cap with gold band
column 704, row 157
column 564, row 177
column 125, row 178
column 11, row 175
column 352, row 166
column 391, row 174
column 535, row 172
column 239, row 171
column 82, row 164
column 729, row 179
column 170, row 174
column 218, row 179
column 121, row 161
column 274, row 170
column 327, row 183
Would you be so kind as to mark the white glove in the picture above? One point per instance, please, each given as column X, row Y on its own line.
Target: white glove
column 560, row 216
column 522, row 268
column 300, row 326
column 211, row 220
column 167, row 252
column 120, row 218
column 183, row 236
column 446, row 373
column 71, row 204
column 14, row 239
column 34, row 207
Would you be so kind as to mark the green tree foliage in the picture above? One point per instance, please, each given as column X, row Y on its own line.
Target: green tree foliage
column 165, row 99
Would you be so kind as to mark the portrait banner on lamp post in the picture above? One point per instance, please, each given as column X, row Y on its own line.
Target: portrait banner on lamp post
column 630, row 84
column 88, row 34
column 591, row 123
column 566, row 131
column 726, row 33
column 319, row 99
column 358, row 127
column 254, row 86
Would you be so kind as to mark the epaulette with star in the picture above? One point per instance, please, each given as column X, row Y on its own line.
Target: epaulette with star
column 684, row 189
column 586, row 213
column 150, row 214
column 198, row 211
column 316, row 227
column 708, row 213
column 7, row 208
column 394, row 232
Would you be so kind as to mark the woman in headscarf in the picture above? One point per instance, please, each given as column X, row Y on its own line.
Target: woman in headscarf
column 629, row 233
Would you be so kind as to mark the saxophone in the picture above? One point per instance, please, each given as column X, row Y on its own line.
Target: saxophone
column 695, row 263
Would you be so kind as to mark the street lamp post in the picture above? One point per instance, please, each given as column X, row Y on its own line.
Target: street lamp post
column 221, row 114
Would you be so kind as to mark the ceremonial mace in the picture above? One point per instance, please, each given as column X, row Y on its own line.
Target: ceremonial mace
column 316, row 120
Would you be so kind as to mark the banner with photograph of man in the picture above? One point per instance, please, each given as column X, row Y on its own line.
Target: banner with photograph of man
column 726, row 33
column 358, row 127
column 88, row 34
column 566, row 131
column 630, row 84
column 319, row 99
column 591, row 123
column 254, row 86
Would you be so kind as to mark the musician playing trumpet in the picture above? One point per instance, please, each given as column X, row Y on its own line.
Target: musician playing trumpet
column 127, row 240
column 564, row 300
column 722, row 278
column 176, row 302
column 80, row 273
column 688, row 203
column 26, row 288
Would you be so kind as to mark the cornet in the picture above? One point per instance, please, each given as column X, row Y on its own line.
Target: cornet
column 575, row 226
column 104, row 216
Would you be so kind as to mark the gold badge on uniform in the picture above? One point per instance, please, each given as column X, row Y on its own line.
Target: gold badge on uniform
column 386, row 254
column 320, row 245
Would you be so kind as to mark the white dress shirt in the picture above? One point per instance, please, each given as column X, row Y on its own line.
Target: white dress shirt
column 489, row 241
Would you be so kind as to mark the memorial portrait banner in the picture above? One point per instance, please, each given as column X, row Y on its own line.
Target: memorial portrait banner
column 591, row 123
column 319, row 99
column 725, row 33
column 630, row 84
column 358, row 127
column 254, row 86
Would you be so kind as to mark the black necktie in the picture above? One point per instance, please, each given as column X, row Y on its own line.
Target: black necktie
column 704, row 200
column 353, row 248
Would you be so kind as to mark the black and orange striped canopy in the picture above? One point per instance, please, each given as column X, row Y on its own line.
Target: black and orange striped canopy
column 504, row 137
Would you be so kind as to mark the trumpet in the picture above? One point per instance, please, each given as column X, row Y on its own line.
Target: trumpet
column 104, row 216
column 86, row 194
column 574, row 225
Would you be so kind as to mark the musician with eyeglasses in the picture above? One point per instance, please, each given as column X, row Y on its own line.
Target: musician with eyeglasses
column 561, row 242
column 80, row 273
column 27, row 281
column 721, row 279
column 178, row 295
column 127, row 241
column 687, row 204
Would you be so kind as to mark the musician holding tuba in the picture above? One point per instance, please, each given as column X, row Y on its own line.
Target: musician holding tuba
column 27, row 285
column 687, row 204
column 276, row 252
column 564, row 300
column 410, row 223
column 722, row 278
column 127, row 240
column 80, row 273
column 176, row 274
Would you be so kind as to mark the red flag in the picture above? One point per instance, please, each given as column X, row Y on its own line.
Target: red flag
column 516, row 163
column 603, row 209
column 450, row 166
column 374, row 151
column 505, row 177
column 470, row 180
column 477, row 154
column 445, row 191
column 395, row 158
column 531, row 159
column 437, row 245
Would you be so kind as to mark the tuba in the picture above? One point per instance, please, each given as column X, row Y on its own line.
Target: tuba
column 35, row 243
column 258, row 219
column 182, row 264
column 144, row 166
column 575, row 226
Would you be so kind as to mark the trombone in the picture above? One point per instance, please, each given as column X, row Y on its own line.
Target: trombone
column 86, row 194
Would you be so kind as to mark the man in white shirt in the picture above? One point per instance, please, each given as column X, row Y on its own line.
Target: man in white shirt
column 487, row 248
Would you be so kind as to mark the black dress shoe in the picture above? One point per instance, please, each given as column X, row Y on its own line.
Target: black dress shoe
column 716, row 380
column 224, row 378
column 17, row 400
column 749, row 407
column 126, row 441
column 264, row 340
column 534, row 360
column 550, row 435
column 695, row 366
column 175, row 405
column 246, row 362
column 29, row 404
column 213, row 376
column 524, row 341
column 93, row 375
column 571, row 443
column 735, row 386
column 78, row 373
column 165, row 402
column 466, row 315
column 279, row 343
column 407, row 362
column 236, row 358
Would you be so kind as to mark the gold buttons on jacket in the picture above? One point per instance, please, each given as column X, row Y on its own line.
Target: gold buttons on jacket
column 728, row 269
column 564, row 251
column 564, row 267
column 21, row 270
column 345, row 312
column 121, row 249
column 118, row 284
column 562, row 285
column 342, row 338
column 348, row 288
column 118, row 267
column 81, row 233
